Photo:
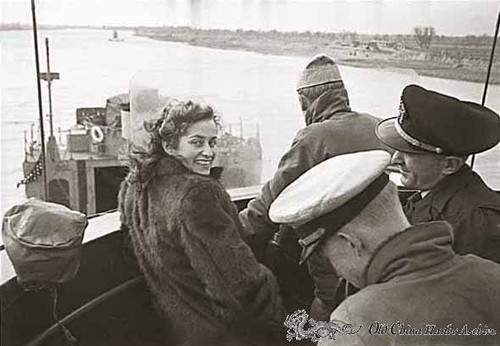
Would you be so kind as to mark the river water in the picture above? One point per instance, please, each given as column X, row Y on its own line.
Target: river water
column 258, row 89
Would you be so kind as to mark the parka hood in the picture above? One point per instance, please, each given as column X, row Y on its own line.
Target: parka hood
column 324, row 107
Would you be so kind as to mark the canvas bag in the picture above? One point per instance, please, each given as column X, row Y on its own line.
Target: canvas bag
column 43, row 241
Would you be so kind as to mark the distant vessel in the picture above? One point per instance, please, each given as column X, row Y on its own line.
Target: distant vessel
column 85, row 173
column 115, row 37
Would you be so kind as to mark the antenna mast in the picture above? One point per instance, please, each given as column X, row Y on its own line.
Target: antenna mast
column 52, row 149
column 40, row 110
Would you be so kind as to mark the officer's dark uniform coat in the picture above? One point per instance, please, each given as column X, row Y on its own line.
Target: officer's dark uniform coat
column 471, row 207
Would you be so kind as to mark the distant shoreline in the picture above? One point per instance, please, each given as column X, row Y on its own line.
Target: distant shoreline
column 461, row 58
column 446, row 60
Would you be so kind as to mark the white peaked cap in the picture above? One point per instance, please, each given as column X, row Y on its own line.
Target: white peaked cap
column 355, row 178
column 327, row 186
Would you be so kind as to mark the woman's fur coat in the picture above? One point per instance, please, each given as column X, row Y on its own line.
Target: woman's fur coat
column 188, row 241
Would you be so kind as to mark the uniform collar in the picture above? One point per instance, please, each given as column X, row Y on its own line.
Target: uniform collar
column 418, row 249
column 448, row 187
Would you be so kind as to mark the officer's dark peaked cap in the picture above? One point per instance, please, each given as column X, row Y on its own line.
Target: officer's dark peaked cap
column 432, row 122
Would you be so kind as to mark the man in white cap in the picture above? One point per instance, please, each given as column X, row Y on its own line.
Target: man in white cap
column 332, row 129
column 433, row 135
column 414, row 288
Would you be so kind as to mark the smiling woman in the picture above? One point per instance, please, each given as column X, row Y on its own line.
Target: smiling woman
column 187, row 237
column 197, row 146
column 187, row 131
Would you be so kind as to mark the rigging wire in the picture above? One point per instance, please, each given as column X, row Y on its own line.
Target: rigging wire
column 490, row 65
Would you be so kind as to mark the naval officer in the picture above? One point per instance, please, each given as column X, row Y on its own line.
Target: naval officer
column 433, row 136
column 414, row 288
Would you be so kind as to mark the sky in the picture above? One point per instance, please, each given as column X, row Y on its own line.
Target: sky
column 449, row 17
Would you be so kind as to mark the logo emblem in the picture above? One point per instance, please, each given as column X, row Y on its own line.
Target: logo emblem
column 296, row 323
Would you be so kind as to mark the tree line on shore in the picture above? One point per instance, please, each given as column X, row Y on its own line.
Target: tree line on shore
column 424, row 43
column 470, row 49
column 423, row 38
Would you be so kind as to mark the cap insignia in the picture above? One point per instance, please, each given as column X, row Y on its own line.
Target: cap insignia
column 401, row 111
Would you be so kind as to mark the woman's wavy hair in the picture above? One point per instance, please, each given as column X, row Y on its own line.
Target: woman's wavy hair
column 174, row 120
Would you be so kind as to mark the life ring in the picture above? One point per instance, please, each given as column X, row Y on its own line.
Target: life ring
column 97, row 134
